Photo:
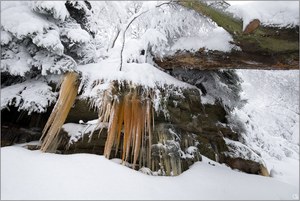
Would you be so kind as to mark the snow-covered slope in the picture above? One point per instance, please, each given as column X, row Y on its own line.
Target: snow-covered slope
column 271, row 119
column 34, row 175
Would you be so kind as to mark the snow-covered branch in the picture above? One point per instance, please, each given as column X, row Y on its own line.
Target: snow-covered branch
column 130, row 21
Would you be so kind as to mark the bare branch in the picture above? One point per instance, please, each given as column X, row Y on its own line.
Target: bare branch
column 128, row 25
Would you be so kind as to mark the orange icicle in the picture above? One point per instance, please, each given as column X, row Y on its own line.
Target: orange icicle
column 67, row 96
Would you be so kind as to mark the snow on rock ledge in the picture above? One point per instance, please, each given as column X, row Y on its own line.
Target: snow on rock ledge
column 137, row 73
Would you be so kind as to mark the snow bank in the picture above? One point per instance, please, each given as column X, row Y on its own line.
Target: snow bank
column 278, row 13
column 217, row 39
column 35, row 175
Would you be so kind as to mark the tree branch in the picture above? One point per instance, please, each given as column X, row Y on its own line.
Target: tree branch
column 133, row 18
column 123, row 35
column 216, row 60
column 265, row 40
column 264, row 48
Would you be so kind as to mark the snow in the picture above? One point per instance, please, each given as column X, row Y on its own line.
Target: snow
column 34, row 175
column 98, row 77
column 31, row 95
column 238, row 150
column 50, row 41
column 5, row 37
column 49, row 64
column 271, row 116
column 77, row 35
column 76, row 131
column 217, row 39
column 278, row 13
column 16, row 63
column 21, row 21
column 153, row 37
column 135, row 73
column 190, row 152
column 57, row 8
column 271, row 119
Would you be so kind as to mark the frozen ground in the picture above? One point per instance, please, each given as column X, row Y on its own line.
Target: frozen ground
column 32, row 175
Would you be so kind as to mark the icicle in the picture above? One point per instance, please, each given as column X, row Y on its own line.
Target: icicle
column 127, row 126
column 120, row 124
column 67, row 96
column 149, row 130
column 111, row 135
column 132, row 110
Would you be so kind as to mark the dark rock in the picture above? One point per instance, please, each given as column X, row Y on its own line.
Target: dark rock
column 246, row 166
column 13, row 134
column 33, row 147
column 19, row 126
column 93, row 144
column 81, row 111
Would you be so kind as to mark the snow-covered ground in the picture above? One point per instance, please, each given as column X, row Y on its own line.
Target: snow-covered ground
column 31, row 175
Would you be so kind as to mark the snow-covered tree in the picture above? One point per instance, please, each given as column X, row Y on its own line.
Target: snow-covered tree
column 43, row 38
column 38, row 40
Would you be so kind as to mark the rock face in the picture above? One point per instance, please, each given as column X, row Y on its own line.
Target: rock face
column 93, row 144
column 188, row 130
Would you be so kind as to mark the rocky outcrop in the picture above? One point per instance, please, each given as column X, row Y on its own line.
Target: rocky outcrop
column 188, row 130
column 246, row 166
column 184, row 130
